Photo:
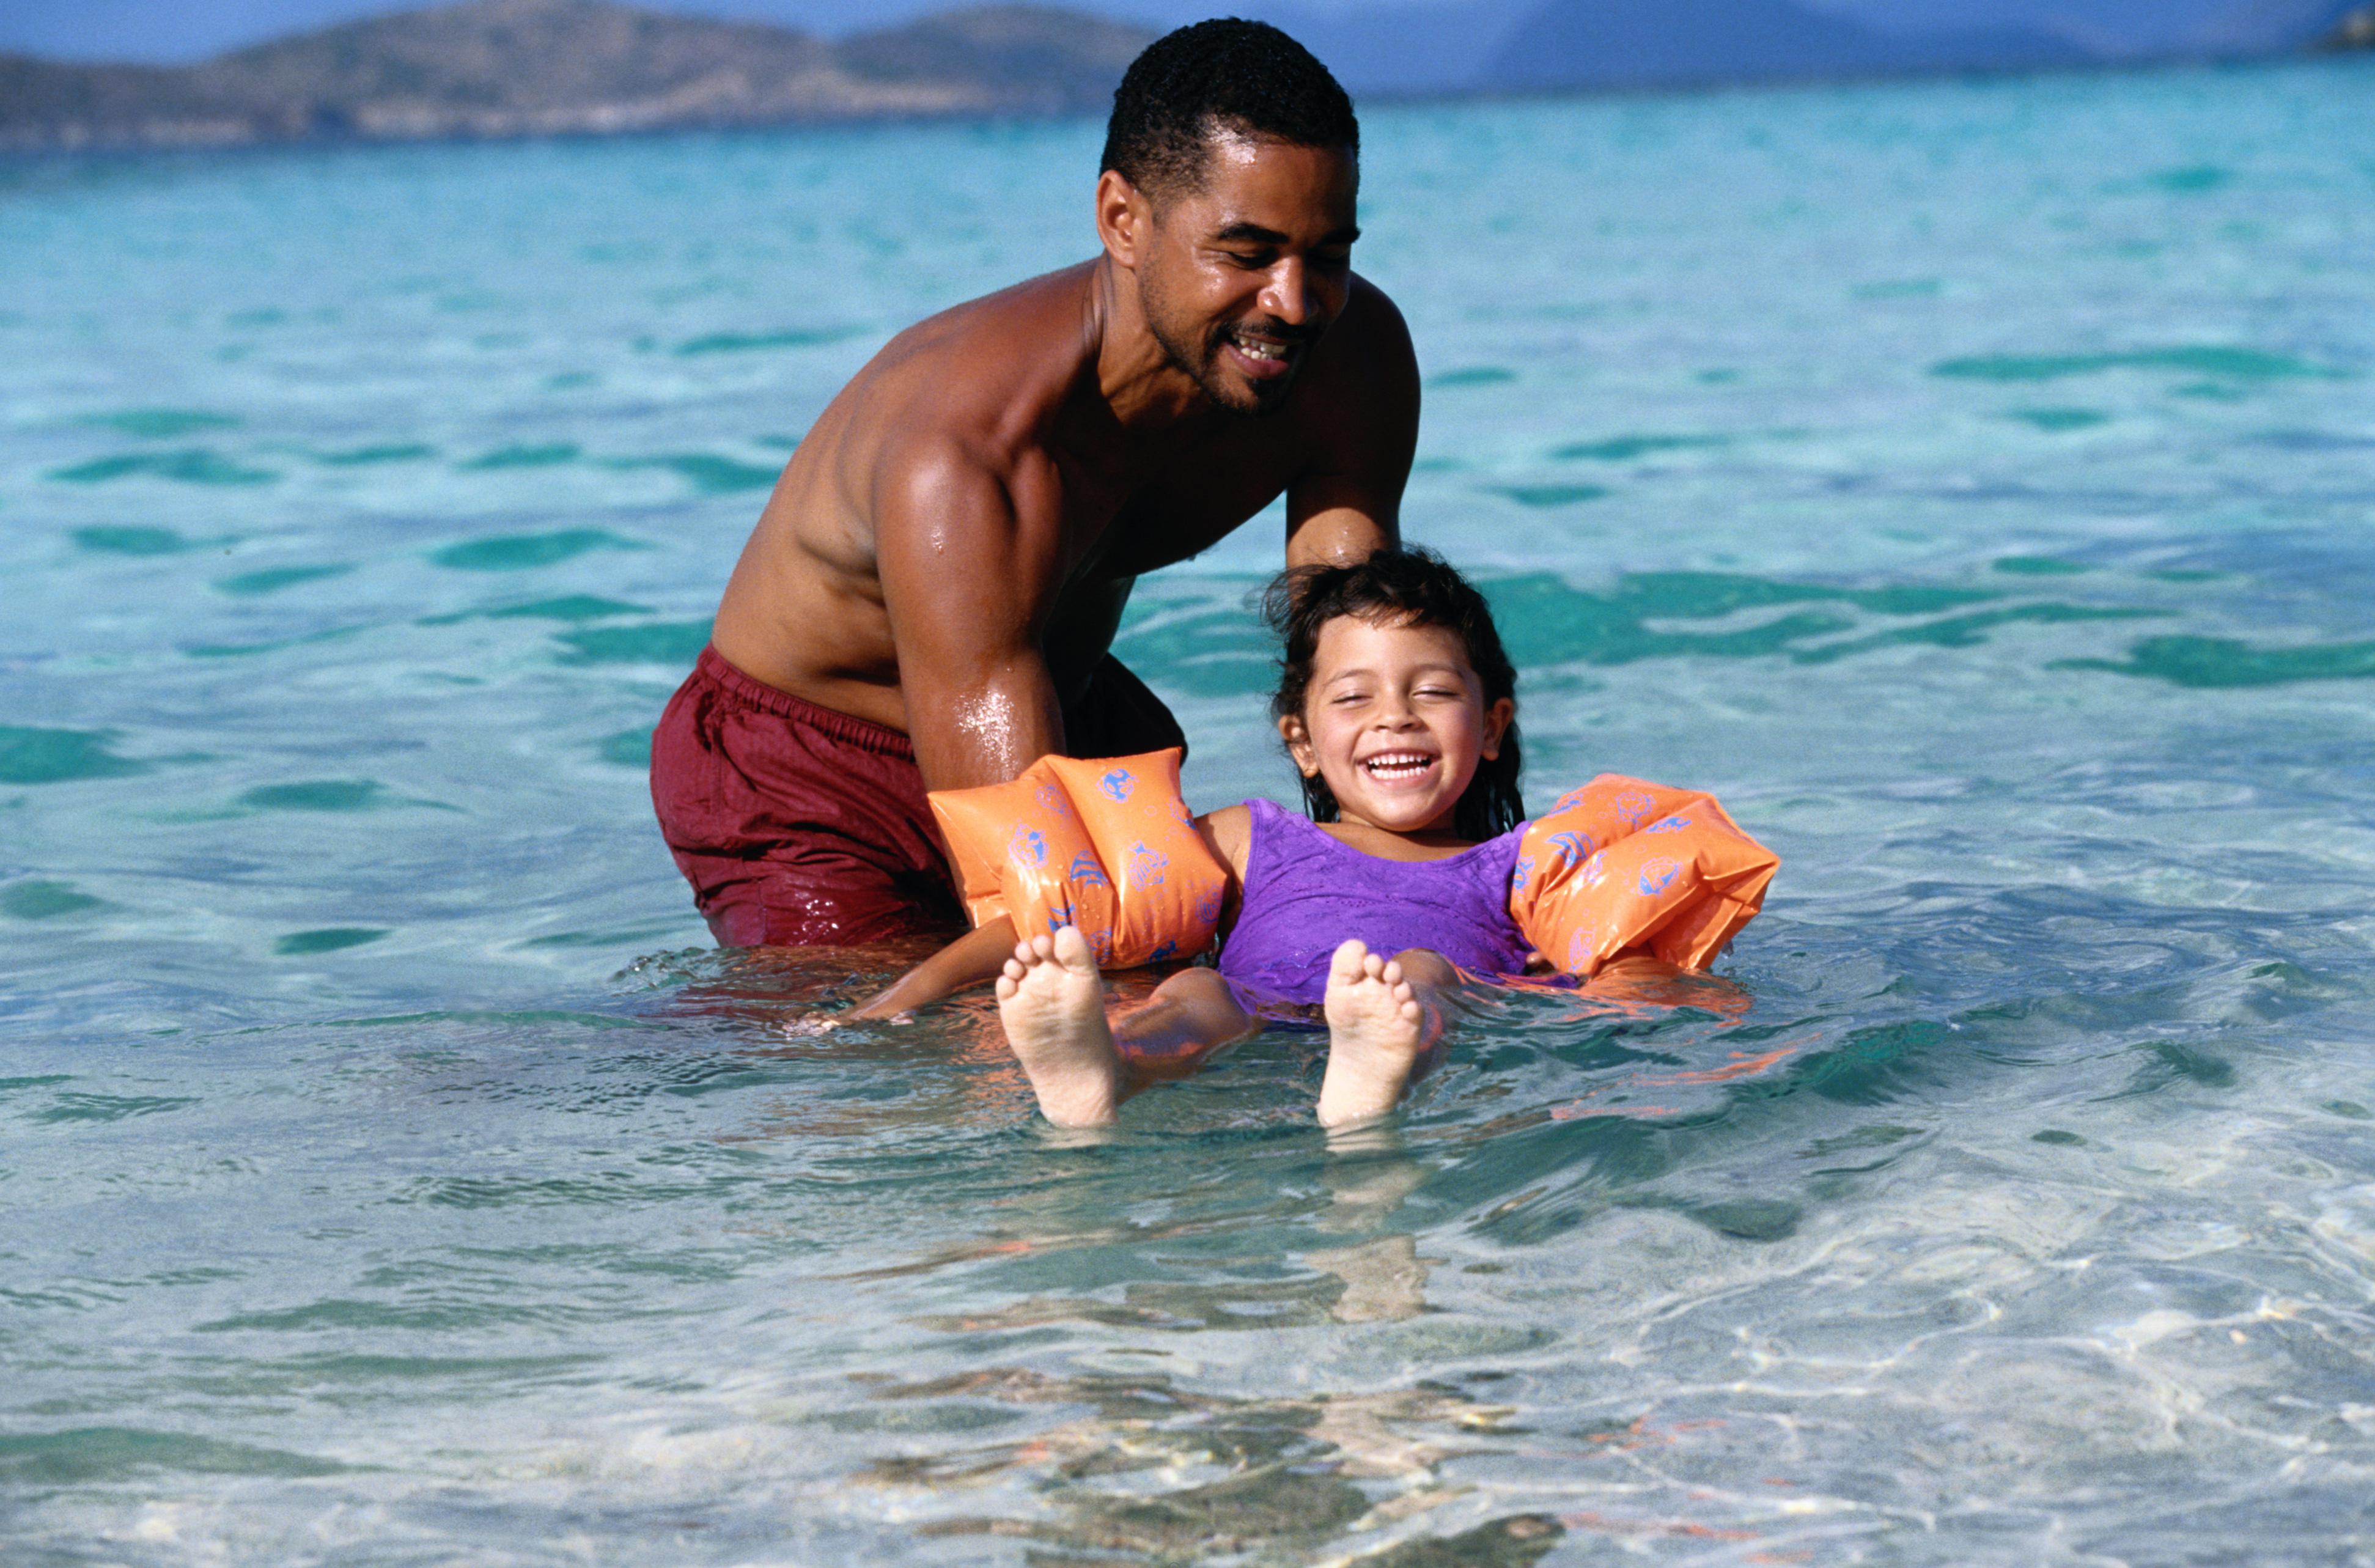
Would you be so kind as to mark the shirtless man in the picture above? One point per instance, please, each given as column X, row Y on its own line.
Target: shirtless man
column 928, row 599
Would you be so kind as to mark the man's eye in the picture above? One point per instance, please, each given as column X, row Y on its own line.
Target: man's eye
column 1252, row 261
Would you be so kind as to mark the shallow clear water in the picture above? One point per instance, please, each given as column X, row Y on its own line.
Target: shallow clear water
column 1971, row 483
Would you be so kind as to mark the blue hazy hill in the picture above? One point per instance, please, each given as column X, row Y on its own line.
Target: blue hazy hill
column 513, row 67
column 1454, row 45
column 2124, row 29
column 1619, row 43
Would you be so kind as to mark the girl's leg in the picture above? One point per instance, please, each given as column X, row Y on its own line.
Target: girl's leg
column 1385, row 1023
column 1191, row 1015
column 1052, row 1001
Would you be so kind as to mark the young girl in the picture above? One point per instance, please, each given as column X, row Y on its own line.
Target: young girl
column 1397, row 706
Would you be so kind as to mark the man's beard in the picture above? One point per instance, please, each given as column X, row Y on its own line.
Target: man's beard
column 1244, row 400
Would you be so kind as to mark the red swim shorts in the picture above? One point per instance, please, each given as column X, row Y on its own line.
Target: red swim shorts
column 796, row 826
column 801, row 827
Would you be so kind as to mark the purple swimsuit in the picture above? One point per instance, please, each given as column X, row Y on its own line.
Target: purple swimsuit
column 1305, row 892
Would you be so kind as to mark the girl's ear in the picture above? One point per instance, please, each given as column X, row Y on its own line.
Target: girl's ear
column 1298, row 745
column 1497, row 719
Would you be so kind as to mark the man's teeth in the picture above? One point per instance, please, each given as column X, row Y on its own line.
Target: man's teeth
column 1253, row 347
column 1398, row 765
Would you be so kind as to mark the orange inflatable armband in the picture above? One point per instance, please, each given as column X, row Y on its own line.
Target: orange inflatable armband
column 1108, row 846
column 1621, row 863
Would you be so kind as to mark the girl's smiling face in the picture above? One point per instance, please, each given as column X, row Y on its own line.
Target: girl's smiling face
column 1395, row 721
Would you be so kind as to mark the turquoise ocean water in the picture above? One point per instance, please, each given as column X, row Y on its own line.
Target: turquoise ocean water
column 1970, row 482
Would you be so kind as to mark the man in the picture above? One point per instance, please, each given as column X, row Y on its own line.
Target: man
column 928, row 599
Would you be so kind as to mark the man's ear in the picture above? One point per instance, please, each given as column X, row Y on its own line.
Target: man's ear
column 1298, row 745
column 1497, row 719
column 1125, row 219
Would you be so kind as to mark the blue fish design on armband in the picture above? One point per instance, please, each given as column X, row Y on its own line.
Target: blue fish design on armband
column 1575, row 846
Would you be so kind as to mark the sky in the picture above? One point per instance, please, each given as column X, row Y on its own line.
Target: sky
column 176, row 31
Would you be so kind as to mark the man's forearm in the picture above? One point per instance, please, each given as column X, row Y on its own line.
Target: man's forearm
column 988, row 731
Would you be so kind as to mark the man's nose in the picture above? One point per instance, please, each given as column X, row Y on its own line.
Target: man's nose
column 1287, row 295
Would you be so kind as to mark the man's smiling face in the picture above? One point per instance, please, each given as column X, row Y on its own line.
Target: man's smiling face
column 1248, row 266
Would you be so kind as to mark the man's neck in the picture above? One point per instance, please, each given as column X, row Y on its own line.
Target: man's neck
column 1148, row 394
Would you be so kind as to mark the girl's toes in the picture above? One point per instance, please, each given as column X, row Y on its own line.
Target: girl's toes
column 1346, row 965
column 1070, row 949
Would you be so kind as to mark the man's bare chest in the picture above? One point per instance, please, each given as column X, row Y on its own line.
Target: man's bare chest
column 1174, row 510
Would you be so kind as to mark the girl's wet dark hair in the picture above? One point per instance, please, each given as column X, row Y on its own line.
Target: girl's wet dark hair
column 1408, row 587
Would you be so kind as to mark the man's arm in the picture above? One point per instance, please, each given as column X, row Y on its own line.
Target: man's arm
column 1347, row 501
column 967, row 583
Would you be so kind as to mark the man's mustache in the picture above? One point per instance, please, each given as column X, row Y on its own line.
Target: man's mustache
column 1275, row 330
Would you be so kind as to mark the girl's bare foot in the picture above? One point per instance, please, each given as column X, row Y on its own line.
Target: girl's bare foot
column 1377, row 1028
column 1052, row 1001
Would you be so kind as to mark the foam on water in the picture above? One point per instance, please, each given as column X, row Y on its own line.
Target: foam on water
column 1968, row 482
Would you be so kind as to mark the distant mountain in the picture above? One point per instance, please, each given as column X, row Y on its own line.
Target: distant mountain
column 2269, row 26
column 2121, row 30
column 1633, row 43
column 528, row 67
column 1417, row 46
column 2355, row 30
column 540, row 68
column 1035, row 60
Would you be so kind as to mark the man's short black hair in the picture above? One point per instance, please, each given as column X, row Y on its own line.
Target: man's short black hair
column 1215, row 77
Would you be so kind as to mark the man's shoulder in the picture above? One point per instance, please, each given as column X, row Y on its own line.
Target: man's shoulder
column 1361, row 391
column 1035, row 319
column 1370, row 337
column 1378, row 311
column 976, row 381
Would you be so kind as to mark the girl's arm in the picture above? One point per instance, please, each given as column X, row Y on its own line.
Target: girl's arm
column 972, row 958
column 1229, row 834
